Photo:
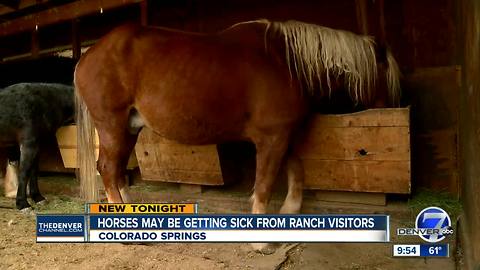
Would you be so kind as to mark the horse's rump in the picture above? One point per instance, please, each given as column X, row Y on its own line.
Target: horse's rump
column 212, row 84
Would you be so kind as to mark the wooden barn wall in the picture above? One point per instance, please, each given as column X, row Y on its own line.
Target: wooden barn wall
column 422, row 35
column 427, row 50
column 470, row 130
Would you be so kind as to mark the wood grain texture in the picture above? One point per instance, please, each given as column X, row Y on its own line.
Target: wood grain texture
column 60, row 14
column 435, row 116
column 67, row 143
column 352, row 197
column 361, row 176
column 367, row 151
column 389, row 117
column 163, row 160
column 357, row 143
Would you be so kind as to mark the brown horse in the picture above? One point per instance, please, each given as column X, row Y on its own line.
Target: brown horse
column 254, row 81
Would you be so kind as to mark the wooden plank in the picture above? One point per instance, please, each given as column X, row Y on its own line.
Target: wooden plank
column 144, row 12
column 67, row 143
column 361, row 176
column 14, row 4
column 390, row 117
column 435, row 101
column 352, row 197
column 356, row 143
column 362, row 15
column 35, row 44
column 368, row 151
column 174, row 156
column 382, row 34
column 76, row 42
column 163, row 160
column 23, row 4
column 186, row 176
column 59, row 14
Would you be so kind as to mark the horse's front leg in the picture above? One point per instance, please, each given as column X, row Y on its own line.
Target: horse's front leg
column 28, row 162
column 295, row 174
column 270, row 152
column 115, row 149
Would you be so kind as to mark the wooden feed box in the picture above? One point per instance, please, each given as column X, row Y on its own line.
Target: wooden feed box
column 67, row 143
column 163, row 160
column 367, row 151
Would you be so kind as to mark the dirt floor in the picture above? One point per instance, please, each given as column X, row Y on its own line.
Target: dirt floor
column 18, row 249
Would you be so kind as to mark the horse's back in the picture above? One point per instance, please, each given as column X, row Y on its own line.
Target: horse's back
column 179, row 81
column 36, row 107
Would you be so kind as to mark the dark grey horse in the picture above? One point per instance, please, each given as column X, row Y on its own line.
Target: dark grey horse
column 30, row 113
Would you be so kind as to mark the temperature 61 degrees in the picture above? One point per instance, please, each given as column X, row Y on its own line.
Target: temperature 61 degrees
column 437, row 250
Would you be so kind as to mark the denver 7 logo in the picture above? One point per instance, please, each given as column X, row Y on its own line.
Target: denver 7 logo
column 436, row 221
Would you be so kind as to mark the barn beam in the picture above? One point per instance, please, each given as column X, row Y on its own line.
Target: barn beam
column 60, row 14
column 361, row 8
column 76, row 43
column 35, row 44
column 144, row 12
column 381, row 20
column 10, row 3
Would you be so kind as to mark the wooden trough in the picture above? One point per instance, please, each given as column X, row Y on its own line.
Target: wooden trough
column 67, row 143
column 367, row 152
column 162, row 160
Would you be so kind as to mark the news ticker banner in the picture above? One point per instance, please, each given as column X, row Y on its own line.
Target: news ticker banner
column 172, row 223
column 141, row 208
column 421, row 250
column 74, row 228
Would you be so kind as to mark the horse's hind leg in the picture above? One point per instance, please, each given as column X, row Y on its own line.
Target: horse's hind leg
column 295, row 174
column 270, row 153
column 33, row 185
column 30, row 149
column 28, row 163
column 115, row 148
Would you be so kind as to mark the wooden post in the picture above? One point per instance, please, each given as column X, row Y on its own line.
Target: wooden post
column 35, row 44
column 144, row 12
column 382, row 35
column 76, row 44
column 352, row 197
column 362, row 15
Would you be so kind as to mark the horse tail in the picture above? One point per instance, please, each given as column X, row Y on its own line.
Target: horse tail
column 393, row 79
column 86, row 161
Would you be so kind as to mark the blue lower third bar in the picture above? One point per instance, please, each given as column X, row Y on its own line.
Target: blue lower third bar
column 435, row 250
column 61, row 228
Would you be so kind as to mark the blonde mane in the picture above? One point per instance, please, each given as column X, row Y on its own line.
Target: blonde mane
column 313, row 50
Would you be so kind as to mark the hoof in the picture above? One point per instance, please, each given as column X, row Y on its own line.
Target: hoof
column 42, row 202
column 263, row 248
column 27, row 211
